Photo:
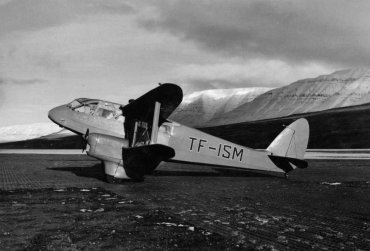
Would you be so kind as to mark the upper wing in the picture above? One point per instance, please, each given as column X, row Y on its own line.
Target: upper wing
column 169, row 95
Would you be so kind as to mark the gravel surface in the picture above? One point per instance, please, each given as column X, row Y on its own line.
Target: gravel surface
column 54, row 202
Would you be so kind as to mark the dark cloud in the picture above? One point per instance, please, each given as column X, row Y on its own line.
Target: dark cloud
column 331, row 31
column 24, row 15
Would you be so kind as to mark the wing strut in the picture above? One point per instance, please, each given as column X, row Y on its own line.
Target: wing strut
column 157, row 109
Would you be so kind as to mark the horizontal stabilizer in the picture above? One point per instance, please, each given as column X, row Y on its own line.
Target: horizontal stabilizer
column 288, row 164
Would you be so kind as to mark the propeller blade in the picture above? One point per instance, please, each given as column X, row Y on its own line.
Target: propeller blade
column 84, row 138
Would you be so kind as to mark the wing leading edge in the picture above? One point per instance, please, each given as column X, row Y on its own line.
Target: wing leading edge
column 169, row 95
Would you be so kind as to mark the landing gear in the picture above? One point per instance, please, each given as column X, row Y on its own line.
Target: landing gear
column 112, row 180
column 286, row 176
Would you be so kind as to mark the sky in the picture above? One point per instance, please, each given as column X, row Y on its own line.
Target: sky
column 53, row 51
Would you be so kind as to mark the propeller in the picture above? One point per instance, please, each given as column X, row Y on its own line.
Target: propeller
column 84, row 138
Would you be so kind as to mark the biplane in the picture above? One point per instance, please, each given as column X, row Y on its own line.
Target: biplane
column 132, row 140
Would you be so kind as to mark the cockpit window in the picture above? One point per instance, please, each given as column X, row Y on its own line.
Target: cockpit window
column 98, row 108
column 104, row 113
column 74, row 104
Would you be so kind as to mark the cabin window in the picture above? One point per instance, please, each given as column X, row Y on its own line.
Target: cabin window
column 120, row 118
column 79, row 109
column 74, row 104
column 107, row 114
column 97, row 108
column 165, row 128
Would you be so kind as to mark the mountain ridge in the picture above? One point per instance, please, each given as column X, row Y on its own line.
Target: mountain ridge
column 30, row 131
column 199, row 107
column 339, row 89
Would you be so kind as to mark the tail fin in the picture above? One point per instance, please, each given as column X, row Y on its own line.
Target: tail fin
column 292, row 141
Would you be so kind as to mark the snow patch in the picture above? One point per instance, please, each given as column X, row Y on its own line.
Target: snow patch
column 30, row 131
column 218, row 94
column 331, row 184
column 199, row 107
column 340, row 89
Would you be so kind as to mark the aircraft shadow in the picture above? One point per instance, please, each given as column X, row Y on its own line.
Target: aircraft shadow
column 220, row 173
column 96, row 171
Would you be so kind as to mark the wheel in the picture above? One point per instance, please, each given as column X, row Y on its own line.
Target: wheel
column 111, row 179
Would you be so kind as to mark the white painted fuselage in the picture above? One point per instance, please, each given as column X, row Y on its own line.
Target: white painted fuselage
column 194, row 146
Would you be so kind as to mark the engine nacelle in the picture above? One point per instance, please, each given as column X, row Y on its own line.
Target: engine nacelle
column 123, row 162
column 106, row 147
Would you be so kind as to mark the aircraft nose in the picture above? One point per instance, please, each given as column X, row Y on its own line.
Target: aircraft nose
column 57, row 115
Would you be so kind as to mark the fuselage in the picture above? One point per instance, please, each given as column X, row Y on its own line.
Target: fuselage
column 96, row 115
column 192, row 146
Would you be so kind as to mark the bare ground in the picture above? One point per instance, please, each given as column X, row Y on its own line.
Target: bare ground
column 51, row 202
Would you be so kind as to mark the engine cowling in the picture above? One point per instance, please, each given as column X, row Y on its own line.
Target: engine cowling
column 106, row 147
column 123, row 162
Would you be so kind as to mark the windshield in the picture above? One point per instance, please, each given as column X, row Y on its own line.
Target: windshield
column 74, row 104
column 98, row 108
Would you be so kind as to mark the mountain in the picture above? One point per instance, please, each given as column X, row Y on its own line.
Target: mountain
column 338, row 128
column 30, row 131
column 199, row 107
column 339, row 89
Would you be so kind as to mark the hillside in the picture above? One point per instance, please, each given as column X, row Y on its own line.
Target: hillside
column 339, row 128
column 29, row 131
column 198, row 108
column 53, row 141
column 339, row 89
column 228, row 106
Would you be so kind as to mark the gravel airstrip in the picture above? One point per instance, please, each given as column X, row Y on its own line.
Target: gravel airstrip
column 61, row 202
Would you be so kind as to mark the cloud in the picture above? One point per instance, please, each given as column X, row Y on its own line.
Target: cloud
column 332, row 31
column 11, row 81
column 31, row 15
column 117, row 50
column 6, row 82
